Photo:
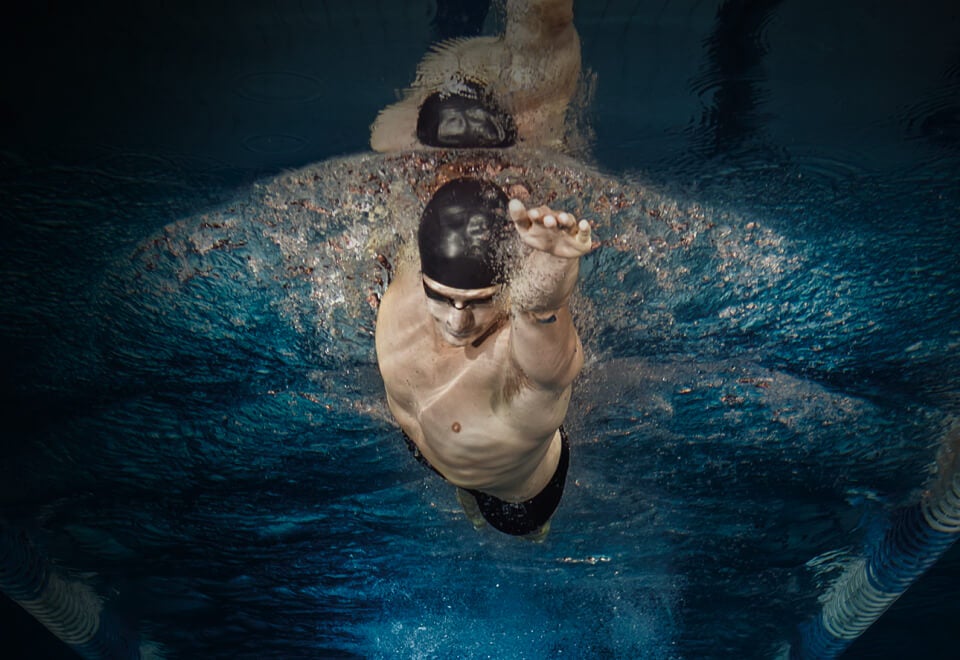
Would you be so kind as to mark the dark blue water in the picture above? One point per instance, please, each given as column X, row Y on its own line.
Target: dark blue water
column 196, row 424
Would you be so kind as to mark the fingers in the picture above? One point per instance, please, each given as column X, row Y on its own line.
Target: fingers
column 583, row 232
column 583, row 229
column 559, row 234
column 564, row 221
column 525, row 218
column 518, row 213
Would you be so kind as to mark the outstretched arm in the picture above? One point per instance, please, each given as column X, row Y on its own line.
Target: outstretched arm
column 544, row 342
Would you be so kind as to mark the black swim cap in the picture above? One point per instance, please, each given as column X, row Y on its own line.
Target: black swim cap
column 461, row 234
column 465, row 118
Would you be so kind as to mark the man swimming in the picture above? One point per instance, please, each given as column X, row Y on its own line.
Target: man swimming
column 478, row 354
column 529, row 73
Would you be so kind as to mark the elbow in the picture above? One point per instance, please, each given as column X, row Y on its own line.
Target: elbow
column 560, row 372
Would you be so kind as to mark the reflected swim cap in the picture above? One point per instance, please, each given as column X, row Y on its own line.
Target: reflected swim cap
column 461, row 234
column 465, row 118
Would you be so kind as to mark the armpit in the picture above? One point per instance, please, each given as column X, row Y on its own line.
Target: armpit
column 515, row 381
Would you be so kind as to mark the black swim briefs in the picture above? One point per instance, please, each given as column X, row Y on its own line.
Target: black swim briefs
column 517, row 518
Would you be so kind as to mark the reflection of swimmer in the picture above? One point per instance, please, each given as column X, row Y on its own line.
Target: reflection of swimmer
column 527, row 74
column 478, row 376
column 467, row 117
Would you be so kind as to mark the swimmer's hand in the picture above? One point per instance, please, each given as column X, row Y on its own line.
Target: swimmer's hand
column 558, row 234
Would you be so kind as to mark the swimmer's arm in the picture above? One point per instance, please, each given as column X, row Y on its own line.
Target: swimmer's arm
column 544, row 342
column 546, row 348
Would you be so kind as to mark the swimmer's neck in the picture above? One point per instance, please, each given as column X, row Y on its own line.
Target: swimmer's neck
column 480, row 343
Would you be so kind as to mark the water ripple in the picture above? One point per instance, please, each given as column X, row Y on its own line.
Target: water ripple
column 280, row 87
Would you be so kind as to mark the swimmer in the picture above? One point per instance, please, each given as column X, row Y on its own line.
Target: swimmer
column 529, row 74
column 478, row 358
column 465, row 118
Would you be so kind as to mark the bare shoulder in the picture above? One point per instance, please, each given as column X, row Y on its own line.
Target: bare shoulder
column 399, row 319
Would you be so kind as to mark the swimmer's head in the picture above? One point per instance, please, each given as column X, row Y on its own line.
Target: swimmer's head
column 461, row 235
column 465, row 118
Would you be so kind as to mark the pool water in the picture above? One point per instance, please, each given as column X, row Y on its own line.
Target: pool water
column 198, row 435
